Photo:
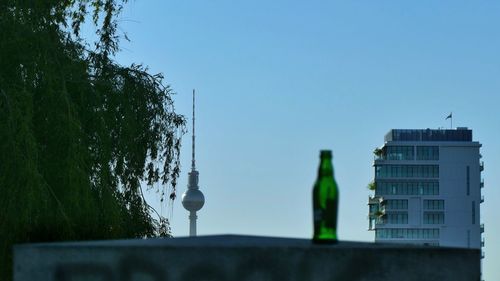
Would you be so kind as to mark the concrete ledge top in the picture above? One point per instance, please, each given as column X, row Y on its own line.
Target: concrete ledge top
column 240, row 257
column 222, row 241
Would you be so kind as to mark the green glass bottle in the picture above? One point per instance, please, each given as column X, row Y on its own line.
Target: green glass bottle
column 325, row 202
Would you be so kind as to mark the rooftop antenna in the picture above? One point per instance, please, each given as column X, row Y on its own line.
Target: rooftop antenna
column 193, row 199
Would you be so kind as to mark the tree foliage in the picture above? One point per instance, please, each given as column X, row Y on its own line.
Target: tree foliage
column 78, row 132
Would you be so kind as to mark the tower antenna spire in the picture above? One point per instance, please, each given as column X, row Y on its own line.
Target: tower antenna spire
column 193, row 164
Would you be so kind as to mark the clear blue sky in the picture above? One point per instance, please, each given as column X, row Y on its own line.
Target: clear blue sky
column 279, row 80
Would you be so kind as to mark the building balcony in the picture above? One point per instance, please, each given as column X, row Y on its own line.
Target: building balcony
column 482, row 255
column 375, row 214
column 482, row 228
column 379, row 153
column 375, row 220
column 482, row 199
column 375, row 200
column 371, row 226
column 481, row 166
column 482, row 242
column 482, row 183
column 381, row 220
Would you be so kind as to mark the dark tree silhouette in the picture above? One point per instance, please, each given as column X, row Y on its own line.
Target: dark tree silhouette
column 78, row 132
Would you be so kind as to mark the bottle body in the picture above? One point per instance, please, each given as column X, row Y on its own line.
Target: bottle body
column 325, row 202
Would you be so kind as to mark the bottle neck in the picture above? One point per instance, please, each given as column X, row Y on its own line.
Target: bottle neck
column 325, row 167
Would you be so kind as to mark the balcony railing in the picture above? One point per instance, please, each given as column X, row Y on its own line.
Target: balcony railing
column 482, row 242
column 481, row 166
column 482, row 198
column 482, row 228
column 482, row 183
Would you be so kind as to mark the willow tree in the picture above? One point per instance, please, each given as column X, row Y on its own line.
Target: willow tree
column 78, row 132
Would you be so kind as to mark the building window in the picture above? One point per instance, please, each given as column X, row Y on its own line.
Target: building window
column 468, row 180
column 407, row 233
column 407, row 188
column 399, row 153
column 428, row 135
column 433, row 218
column 397, row 218
column 396, row 204
column 407, row 171
column 473, row 212
column 427, row 152
column 434, row 204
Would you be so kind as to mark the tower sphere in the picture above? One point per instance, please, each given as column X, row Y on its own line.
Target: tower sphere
column 193, row 200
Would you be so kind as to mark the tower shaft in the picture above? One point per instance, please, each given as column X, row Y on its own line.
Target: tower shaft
column 192, row 223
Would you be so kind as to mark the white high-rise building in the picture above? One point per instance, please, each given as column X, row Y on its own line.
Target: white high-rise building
column 428, row 188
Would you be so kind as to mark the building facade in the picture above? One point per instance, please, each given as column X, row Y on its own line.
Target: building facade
column 427, row 188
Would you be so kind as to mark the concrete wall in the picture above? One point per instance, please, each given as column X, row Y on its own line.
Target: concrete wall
column 231, row 257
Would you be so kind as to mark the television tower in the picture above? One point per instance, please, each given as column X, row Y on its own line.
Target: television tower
column 193, row 198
